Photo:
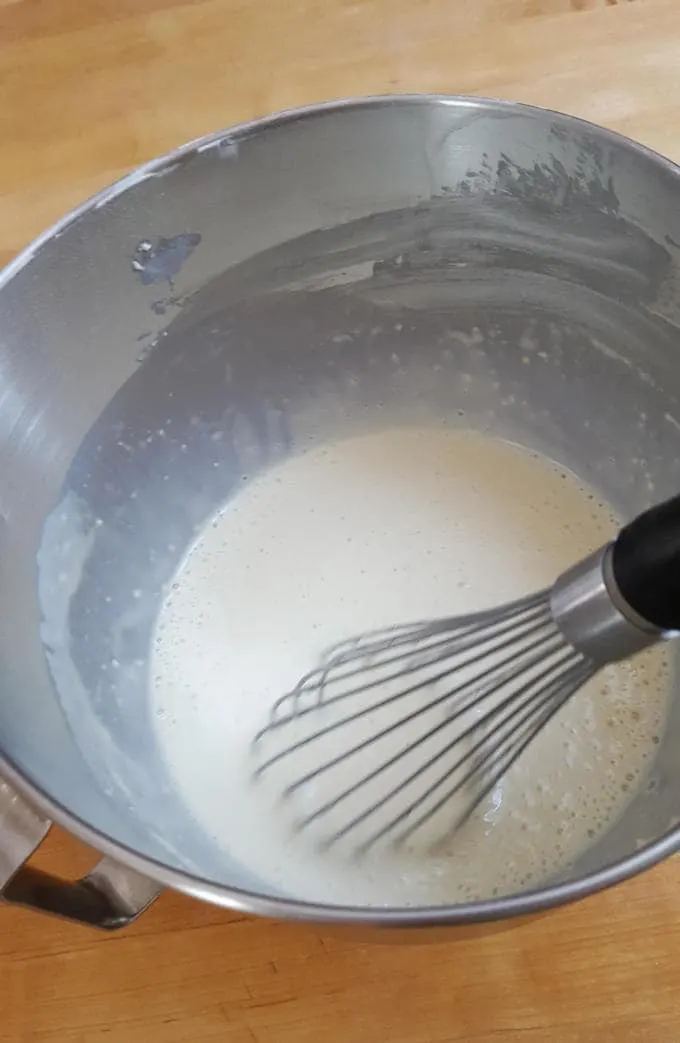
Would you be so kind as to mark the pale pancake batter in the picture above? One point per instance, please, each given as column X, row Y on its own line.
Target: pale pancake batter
column 405, row 524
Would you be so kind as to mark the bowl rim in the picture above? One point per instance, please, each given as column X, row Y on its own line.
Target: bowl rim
column 253, row 902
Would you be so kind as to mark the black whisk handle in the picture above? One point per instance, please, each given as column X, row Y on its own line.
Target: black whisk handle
column 646, row 565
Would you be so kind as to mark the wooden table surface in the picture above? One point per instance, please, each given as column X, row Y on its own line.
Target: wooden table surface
column 89, row 88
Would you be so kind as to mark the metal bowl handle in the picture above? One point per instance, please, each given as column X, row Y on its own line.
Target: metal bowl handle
column 109, row 896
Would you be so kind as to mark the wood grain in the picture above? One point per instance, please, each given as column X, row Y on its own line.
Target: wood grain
column 89, row 88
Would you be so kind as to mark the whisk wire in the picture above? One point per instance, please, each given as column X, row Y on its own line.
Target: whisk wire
column 504, row 675
column 452, row 626
column 451, row 770
column 461, row 634
column 524, row 732
column 477, row 694
column 317, row 681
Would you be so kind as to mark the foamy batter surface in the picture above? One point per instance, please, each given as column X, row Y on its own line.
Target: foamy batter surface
column 401, row 525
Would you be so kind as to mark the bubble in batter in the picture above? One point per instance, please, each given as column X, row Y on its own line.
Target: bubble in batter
column 359, row 534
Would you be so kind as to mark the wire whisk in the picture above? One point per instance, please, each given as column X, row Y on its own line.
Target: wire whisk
column 402, row 733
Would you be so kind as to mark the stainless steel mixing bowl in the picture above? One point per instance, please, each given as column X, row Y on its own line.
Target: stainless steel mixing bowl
column 331, row 270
